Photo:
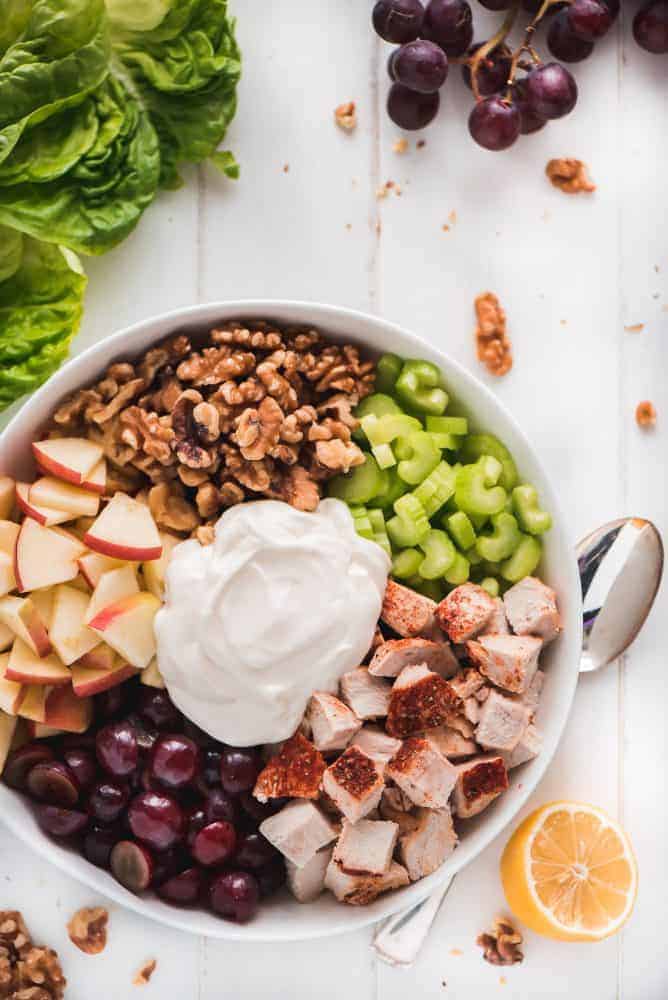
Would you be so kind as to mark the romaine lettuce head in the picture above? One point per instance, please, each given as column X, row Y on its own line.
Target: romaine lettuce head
column 41, row 297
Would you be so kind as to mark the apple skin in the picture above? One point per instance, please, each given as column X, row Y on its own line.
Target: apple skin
column 53, row 494
column 27, row 668
column 64, row 710
column 96, row 480
column 93, row 564
column 36, row 550
column 125, row 553
column 50, row 464
column 43, row 515
column 100, row 658
column 87, row 682
column 23, row 618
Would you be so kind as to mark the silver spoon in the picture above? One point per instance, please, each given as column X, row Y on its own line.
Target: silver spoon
column 620, row 565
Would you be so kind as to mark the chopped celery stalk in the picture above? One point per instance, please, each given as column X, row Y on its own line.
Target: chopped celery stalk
column 425, row 456
column 395, row 488
column 384, row 455
column 523, row 561
column 460, row 529
column 384, row 542
column 479, row 520
column 491, row 585
column 474, row 495
column 406, row 563
column 410, row 524
column 448, row 442
column 472, row 556
column 402, row 449
column 377, row 520
column 377, row 405
column 502, row 540
column 361, row 484
column 385, row 429
column 419, row 388
column 436, row 489
column 448, row 425
column 458, row 571
column 532, row 518
column 439, row 553
column 492, row 468
column 476, row 445
column 388, row 370
column 363, row 527
column 357, row 510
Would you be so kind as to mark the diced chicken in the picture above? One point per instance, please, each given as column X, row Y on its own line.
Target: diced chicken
column 479, row 782
column 529, row 746
column 498, row 623
column 398, row 808
column 395, row 654
column 420, row 700
column 503, row 722
column 422, row 773
column 367, row 696
column 366, row 848
column 295, row 772
column 465, row 612
column 405, row 611
column 425, row 848
column 472, row 710
column 467, row 682
column 355, row 783
column 451, row 743
column 376, row 744
column 509, row 661
column 360, row 890
column 531, row 609
column 461, row 724
column 306, row 883
column 298, row 831
column 332, row 723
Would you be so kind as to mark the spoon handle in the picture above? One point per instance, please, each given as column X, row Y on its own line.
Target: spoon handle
column 400, row 938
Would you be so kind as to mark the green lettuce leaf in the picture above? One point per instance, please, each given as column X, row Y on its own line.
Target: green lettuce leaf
column 40, row 310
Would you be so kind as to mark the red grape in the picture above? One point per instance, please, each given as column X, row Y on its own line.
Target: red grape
column 494, row 123
column 234, row 895
column 157, row 707
column 398, row 20
column 98, row 844
column 493, row 71
column 20, row 762
column 420, row 65
column 254, row 851
column 82, row 765
column 529, row 121
column 551, row 91
column 174, row 760
column 157, row 820
column 53, row 782
column 131, row 865
column 184, row 888
column 214, row 843
column 239, row 768
column 271, row 878
column 117, row 750
column 650, row 27
column 589, row 19
column 565, row 45
column 107, row 800
column 449, row 23
column 219, row 805
column 60, row 822
column 109, row 703
column 495, row 4
column 410, row 110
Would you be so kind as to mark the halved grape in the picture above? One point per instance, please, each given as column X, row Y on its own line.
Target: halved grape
column 99, row 843
column 410, row 110
column 82, row 765
column 20, row 762
column 214, row 843
column 117, row 749
column 54, row 783
column 60, row 822
column 184, row 888
column 107, row 800
column 234, row 896
column 157, row 820
column 494, row 123
column 131, row 865
column 174, row 760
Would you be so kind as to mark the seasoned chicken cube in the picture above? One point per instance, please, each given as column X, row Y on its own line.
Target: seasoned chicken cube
column 294, row 772
column 359, row 890
column 503, row 722
column 298, row 831
column 465, row 612
column 479, row 782
column 332, row 723
column 355, row 783
column 461, row 724
column 472, row 710
column 398, row 808
column 425, row 848
column 531, row 696
column 405, row 611
column 498, row 623
column 367, row 696
column 366, row 848
column 451, row 743
column 306, row 883
column 375, row 743
column 395, row 654
column 422, row 773
column 531, row 609
column 420, row 700
column 467, row 682
column 509, row 661
column 529, row 746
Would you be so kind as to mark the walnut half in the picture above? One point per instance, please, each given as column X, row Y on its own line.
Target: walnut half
column 501, row 945
column 88, row 929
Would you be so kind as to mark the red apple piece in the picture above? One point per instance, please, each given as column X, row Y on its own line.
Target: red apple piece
column 7, row 578
column 6, row 637
column 64, row 710
column 38, row 731
column 28, row 668
column 45, row 556
column 46, row 516
column 51, row 492
column 22, row 616
column 86, row 682
column 125, row 530
column 111, row 587
column 71, row 459
column 70, row 636
column 93, row 564
column 100, row 658
column 96, row 480
column 127, row 626
column 33, row 703
column 8, row 534
column 154, row 571
column 6, row 497
column 151, row 675
column 11, row 692
column 7, row 730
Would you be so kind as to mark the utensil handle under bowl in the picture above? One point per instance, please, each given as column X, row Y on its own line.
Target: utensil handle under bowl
column 400, row 938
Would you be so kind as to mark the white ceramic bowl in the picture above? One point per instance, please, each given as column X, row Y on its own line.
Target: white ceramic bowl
column 283, row 918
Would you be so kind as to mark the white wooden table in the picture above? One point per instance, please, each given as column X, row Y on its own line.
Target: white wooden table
column 573, row 273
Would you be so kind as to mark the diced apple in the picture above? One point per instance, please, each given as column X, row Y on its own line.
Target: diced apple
column 100, row 658
column 70, row 636
column 6, row 497
column 51, row 492
column 43, row 601
column 64, row 710
column 151, row 675
column 21, row 615
column 127, row 626
column 7, row 578
column 7, row 729
column 71, row 459
column 96, row 480
column 46, row 516
column 81, row 526
column 28, row 668
column 112, row 586
column 38, row 731
column 89, row 682
column 11, row 692
column 9, row 531
column 154, row 571
column 125, row 530
column 93, row 564
column 6, row 637
column 45, row 556
column 33, row 704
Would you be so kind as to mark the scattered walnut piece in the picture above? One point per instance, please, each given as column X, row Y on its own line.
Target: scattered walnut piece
column 635, row 328
column 494, row 347
column 501, row 945
column 646, row 414
column 88, row 929
column 27, row 971
column 570, row 176
column 345, row 116
column 400, row 146
column 144, row 973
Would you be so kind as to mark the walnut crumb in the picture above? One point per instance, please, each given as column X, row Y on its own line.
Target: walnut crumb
column 88, row 929
column 570, row 176
column 493, row 346
column 646, row 414
column 635, row 328
column 345, row 116
column 145, row 972
column 400, row 146
column 384, row 190
column 501, row 945
column 421, row 143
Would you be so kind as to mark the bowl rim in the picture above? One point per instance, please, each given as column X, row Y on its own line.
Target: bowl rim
column 109, row 348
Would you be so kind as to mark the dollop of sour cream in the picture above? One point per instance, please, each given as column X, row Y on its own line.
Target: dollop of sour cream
column 279, row 606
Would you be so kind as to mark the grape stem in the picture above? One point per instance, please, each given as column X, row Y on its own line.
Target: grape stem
column 493, row 43
column 526, row 44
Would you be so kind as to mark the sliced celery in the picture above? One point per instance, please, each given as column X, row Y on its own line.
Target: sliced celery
column 361, row 484
column 474, row 493
column 523, row 561
column 439, row 552
column 448, row 425
column 436, row 489
column 502, row 540
column 533, row 519
column 384, row 455
column 406, row 563
column 419, row 388
column 387, row 372
column 458, row 571
column 491, row 585
column 424, row 457
column 460, row 529
column 476, row 445
column 410, row 523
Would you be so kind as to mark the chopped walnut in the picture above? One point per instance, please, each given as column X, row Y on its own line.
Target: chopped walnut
column 258, row 430
column 27, row 972
column 345, row 116
column 338, row 455
column 501, row 945
column 171, row 510
column 188, row 445
column 569, row 175
column 400, row 146
column 144, row 973
column 88, row 929
column 299, row 490
column 646, row 414
column 494, row 347
column 208, row 500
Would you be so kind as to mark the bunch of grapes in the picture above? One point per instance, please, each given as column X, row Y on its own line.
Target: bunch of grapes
column 507, row 105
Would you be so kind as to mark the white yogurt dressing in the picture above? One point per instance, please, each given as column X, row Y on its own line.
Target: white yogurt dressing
column 280, row 605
